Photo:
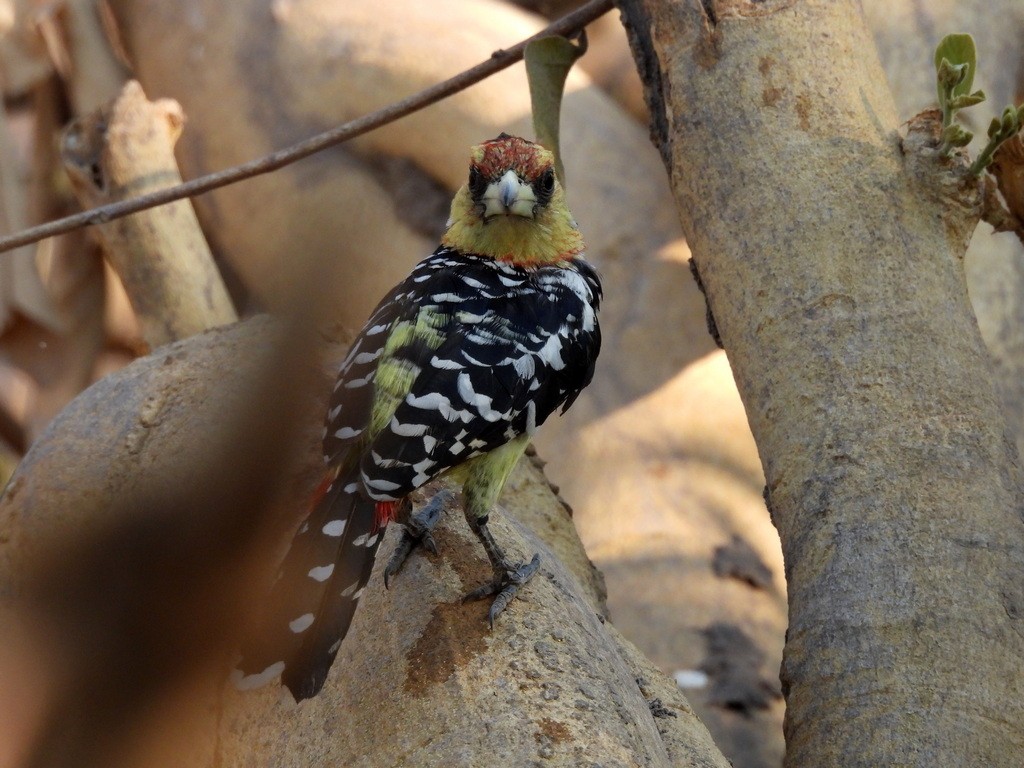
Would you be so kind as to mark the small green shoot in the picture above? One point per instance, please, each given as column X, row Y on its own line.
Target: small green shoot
column 955, row 64
column 956, row 61
column 999, row 131
column 959, row 51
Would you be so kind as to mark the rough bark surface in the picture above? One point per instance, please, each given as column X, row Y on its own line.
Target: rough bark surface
column 421, row 680
column 869, row 392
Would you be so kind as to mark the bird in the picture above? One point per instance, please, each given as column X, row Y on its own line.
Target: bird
column 450, row 377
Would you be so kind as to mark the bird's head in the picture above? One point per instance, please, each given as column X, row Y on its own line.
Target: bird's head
column 512, row 207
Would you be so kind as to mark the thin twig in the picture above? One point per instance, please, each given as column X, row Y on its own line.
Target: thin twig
column 567, row 25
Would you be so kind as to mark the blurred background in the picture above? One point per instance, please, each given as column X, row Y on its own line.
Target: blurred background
column 655, row 458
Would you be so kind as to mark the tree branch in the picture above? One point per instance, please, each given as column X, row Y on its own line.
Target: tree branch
column 160, row 255
column 501, row 59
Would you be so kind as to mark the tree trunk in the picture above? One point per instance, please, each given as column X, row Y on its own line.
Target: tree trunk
column 831, row 253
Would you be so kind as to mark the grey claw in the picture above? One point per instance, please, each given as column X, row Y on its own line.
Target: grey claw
column 428, row 543
column 417, row 532
column 480, row 592
column 505, row 586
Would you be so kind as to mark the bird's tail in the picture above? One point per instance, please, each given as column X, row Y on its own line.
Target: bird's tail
column 315, row 596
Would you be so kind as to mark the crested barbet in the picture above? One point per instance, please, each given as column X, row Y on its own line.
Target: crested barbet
column 450, row 377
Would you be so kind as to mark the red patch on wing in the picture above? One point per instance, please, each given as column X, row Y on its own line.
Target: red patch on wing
column 322, row 489
column 386, row 512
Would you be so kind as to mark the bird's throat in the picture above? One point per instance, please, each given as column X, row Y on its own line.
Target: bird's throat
column 549, row 238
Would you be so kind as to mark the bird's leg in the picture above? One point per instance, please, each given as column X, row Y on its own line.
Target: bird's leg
column 508, row 576
column 417, row 531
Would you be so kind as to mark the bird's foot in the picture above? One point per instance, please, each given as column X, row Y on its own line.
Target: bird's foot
column 508, row 578
column 417, row 532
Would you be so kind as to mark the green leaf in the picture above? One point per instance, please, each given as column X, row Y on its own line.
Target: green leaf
column 962, row 139
column 968, row 100
column 1009, row 122
column 955, row 136
column 958, row 50
column 1001, row 129
column 950, row 75
column 548, row 62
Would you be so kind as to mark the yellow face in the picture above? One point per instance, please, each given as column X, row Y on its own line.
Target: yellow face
column 511, row 177
column 510, row 196
column 512, row 207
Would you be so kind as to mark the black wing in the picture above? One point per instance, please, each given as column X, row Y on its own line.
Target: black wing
column 513, row 344
column 351, row 404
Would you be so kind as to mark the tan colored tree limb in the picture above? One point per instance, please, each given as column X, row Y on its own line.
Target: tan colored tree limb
column 20, row 286
column 124, row 150
column 832, row 257
column 96, row 75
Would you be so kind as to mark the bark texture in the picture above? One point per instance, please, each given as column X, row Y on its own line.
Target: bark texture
column 832, row 257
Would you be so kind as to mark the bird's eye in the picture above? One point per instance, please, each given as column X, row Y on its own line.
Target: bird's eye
column 477, row 182
column 544, row 186
column 547, row 180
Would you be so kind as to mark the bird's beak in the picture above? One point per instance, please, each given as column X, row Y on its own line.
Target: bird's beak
column 509, row 197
